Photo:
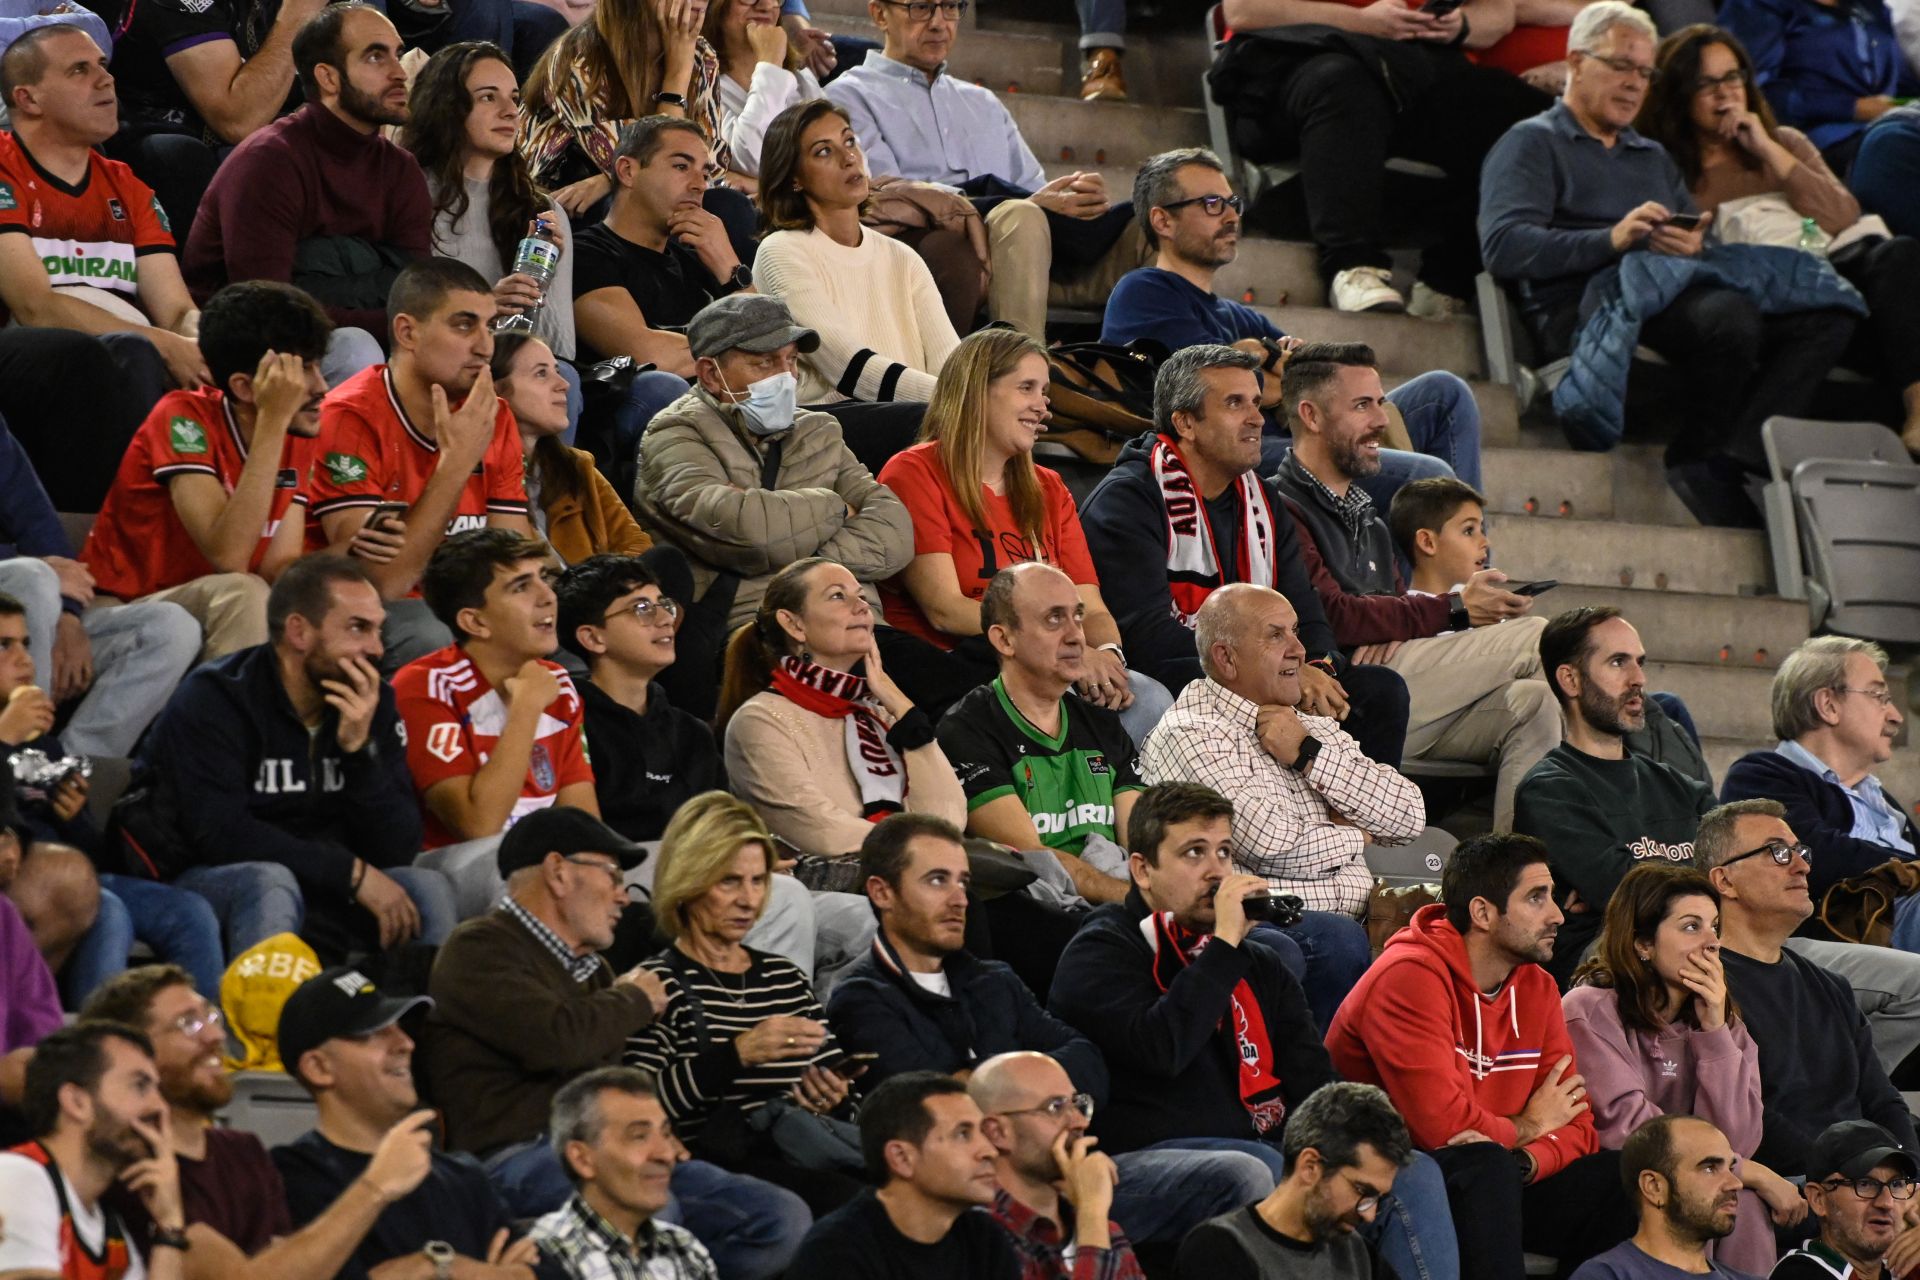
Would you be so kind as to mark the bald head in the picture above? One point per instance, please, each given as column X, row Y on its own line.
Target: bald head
column 1034, row 619
column 1010, row 1081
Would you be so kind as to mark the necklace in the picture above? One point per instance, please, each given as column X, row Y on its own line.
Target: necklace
column 738, row 999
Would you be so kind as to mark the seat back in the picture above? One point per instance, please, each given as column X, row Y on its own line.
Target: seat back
column 1859, row 528
column 271, row 1105
column 1792, row 441
column 1418, row 861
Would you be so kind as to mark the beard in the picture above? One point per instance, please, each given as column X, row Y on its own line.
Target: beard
column 321, row 665
column 184, row 1087
column 1209, row 250
column 1351, row 462
column 1606, row 713
column 1322, row 1222
column 1699, row 1220
column 366, row 107
column 115, row 1141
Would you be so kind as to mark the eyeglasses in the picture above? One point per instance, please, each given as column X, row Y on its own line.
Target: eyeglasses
column 1882, row 696
column 1624, row 66
column 1733, row 79
column 1369, row 1198
column 922, row 10
column 1056, row 1108
column 611, row 868
column 1780, row 851
column 659, row 612
column 192, row 1024
column 1870, row 1188
column 1213, row 206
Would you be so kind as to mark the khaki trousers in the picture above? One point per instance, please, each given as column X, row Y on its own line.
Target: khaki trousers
column 1020, row 244
column 1478, row 697
column 231, row 609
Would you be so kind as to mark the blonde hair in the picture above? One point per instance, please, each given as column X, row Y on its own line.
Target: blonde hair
column 956, row 419
column 696, row 852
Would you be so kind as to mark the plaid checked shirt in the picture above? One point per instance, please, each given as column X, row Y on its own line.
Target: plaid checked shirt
column 1041, row 1244
column 579, row 967
column 1283, row 825
column 587, row 1245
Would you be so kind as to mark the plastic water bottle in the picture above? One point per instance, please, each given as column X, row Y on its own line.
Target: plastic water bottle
column 539, row 257
column 1812, row 238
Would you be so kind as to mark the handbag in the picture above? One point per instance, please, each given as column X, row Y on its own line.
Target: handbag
column 1101, row 395
column 1860, row 908
column 1770, row 219
column 1390, row 909
column 798, row 1137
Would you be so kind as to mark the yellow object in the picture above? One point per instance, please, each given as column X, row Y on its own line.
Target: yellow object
column 256, row 985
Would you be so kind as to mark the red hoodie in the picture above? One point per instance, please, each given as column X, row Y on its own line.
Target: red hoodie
column 1449, row 1057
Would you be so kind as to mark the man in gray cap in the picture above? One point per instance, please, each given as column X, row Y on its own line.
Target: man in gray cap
column 523, row 1003
column 1860, row 1188
column 745, row 482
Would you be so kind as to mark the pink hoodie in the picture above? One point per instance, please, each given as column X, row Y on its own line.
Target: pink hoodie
column 1449, row 1057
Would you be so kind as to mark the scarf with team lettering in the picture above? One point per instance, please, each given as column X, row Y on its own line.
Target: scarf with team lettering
column 1174, row 947
column 840, row 695
column 1193, row 563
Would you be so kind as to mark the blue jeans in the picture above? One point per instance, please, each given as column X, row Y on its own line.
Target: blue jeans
column 178, row 925
column 1326, row 953
column 1906, row 924
column 1150, row 701
column 1171, row 1187
column 648, row 394
column 752, row 1228
column 256, row 900
column 1103, row 24
column 1886, row 172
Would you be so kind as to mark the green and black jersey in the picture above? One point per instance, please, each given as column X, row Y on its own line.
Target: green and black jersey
column 1066, row 783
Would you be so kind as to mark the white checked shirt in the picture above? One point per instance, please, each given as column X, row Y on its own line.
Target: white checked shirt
column 1283, row 825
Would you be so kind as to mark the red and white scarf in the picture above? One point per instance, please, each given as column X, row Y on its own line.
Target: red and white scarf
column 1193, row 563
column 840, row 695
column 1174, row 948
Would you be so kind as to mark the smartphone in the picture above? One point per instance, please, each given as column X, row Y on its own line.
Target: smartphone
column 851, row 1065
column 1533, row 588
column 1440, row 8
column 1684, row 221
column 387, row 511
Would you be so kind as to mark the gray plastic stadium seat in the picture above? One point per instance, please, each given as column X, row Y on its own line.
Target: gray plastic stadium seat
column 1418, row 862
column 271, row 1105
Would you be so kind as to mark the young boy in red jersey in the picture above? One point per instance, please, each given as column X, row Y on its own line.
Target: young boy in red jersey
column 493, row 726
column 210, row 502
column 426, row 431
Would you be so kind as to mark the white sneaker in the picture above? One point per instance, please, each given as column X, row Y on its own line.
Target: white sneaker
column 1366, row 289
column 1431, row 304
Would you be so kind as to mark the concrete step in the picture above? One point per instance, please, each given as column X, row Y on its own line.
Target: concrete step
column 1404, row 344
column 1121, row 134
column 1732, row 700
column 1499, row 411
column 1687, row 626
column 1628, row 484
column 1721, row 562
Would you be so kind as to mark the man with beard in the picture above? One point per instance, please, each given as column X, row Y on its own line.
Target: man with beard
column 1055, row 1189
column 1344, row 1147
column 1598, row 807
column 236, row 1208
column 1473, row 685
column 93, row 1100
column 319, row 198
column 1682, row 1172
column 210, row 502
column 1192, row 219
column 1461, row 1026
column 291, row 754
column 1860, row 1187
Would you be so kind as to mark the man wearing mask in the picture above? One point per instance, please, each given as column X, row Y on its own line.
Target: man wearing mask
column 745, row 483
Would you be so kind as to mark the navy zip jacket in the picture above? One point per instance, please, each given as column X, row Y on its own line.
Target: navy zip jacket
column 250, row 784
column 877, row 1007
column 1173, row 1054
column 1819, row 813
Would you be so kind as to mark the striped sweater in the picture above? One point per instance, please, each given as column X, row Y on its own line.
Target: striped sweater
column 697, row 1067
column 883, row 328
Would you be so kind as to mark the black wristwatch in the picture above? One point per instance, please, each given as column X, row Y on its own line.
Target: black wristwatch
column 739, row 279
column 1457, row 616
column 1309, row 751
column 671, row 99
column 168, row 1238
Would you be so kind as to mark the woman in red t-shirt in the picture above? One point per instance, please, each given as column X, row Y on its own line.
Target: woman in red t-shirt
column 979, row 503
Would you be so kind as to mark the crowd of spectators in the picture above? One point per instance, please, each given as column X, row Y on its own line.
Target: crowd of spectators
column 600, row 691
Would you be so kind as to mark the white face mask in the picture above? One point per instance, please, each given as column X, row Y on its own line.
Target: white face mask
column 770, row 403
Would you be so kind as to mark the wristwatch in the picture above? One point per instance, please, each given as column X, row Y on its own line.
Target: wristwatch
column 671, row 99
column 1309, row 751
column 440, row 1254
column 1114, row 649
column 1457, row 617
column 169, row 1238
column 740, row 278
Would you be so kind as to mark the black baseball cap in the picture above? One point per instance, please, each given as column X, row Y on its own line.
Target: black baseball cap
column 337, row 1003
column 564, row 830
column 1854, row 1149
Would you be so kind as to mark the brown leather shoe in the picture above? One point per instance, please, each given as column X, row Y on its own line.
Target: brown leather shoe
column 1103, row 81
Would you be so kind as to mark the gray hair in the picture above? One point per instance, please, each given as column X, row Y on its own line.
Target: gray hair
column 1713, row 841
column 996, row 605
column 1338, row 1119
column 576, row 1114
column 1591, row 24
column 1156, row 185
column 1820, row 663
column 1179, row 387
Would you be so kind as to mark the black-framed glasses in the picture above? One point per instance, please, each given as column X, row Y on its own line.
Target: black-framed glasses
column 1625, row 66
column 1882, row 696
column 1056, row 1108
column 662, row 611
column 611, row 868
column 1212, row 206
column 922, row 10
column 1870, row 1188
column 1780, row 851
column 1732, row 80
column 1369, row 1198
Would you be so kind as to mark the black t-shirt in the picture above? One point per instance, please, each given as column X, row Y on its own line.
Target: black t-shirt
column 151, row 100
column 669, row 287
column 646, row 766
column 1241, row 1246
column 859, row 1242
column 456, row 1204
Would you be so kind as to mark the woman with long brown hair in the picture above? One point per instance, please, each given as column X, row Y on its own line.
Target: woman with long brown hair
column 1656, row 1033
column 979, row 503
column 1763, row 181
